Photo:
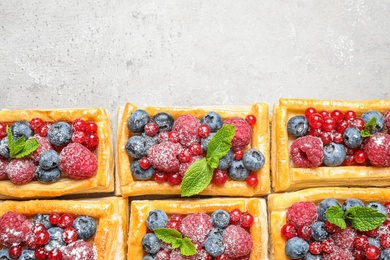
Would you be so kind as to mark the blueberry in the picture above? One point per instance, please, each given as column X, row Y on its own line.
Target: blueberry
column 253, row 159
column 318, row 232
column 349, row 203
column 380, row 120
column 385, row 254
column 164, row 121
column 334, row 154
column 298, row 126
column 296, row 248
column 4, row 150
column 47, row 176
column 139, row 173
column 149, row 141
column 27, row 254
column 214, row 246
column 220, row 218
column 150, row 243
column 237, row 171
column 49, row 159
column 374, row 242
column 59, row 134
column 85, row 227
column 204, row 142
column 43, row 219
column 226, row 161
column 135, row 147
column 149, row 257
column 379, row 207
column 352, row 137
column 213, row 120
column 137, row 121
column 4, row 255
column 324, row 205
column 21, row 128
column 216, row 232
column 312, row 257
column 56, row 240
column 156, row 219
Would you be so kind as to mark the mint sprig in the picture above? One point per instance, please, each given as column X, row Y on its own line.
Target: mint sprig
column 20, row 148
column 361, row 218
column 198, row 176
column 174, row 237
column 368, row 127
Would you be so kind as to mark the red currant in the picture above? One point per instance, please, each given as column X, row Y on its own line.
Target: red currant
column 69, row 235
column 326, row 137
column 238, row 154
column 372, row 252
column 252, row 180
column 387, row 206
column 78, row 137
column 349, row 115
column 324, row 113
column 315, row 132
column 174, row 179
column 173, row 137
column 358, row 123
column 40, row 253
column 331, row 228
column 304, row 232
column 54, row 254
column 65, row 220
column 175, row 224
column 160, row 176
column 163, row 137
column 337, row 115
column 341, row 126
column 251, row 119
column 235, row 216
column 246, row 220
column 185, row 155
column 372, row 233
column 315, row 120
column 91, row 140
column 144, row 163
column 220, row 177
column 328, row 124
column 196, row 149
column 360, row 242
column 36, row 123
column 3, row 132
column 338, row 138
column 43, row 130
column 327, row 246
column 151, row 129
column 384, row 240
column 360, row 156
column 42, row 237
column 315, row 248
column 359, row 255
column 15, row 251
column 54, row 217
column 309, row 111
column 349, row 160
column 91, row 127
column 203, row 130
column 177, row 217
column 222, row 257
column 78, row 125
column 288, row 231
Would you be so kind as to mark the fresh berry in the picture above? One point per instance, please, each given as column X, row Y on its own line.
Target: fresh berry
column 150, row 243
column 175, row 222
column 151, row 129
column 3, row 166
column 247, row 220
column 220, row 177
column 307, row 152
column 377, row 206
column 372, row 252
column 328, row 124
column 238, row 154
column 213, row 120
column 44, row 145
column 380, row 120
column 78, row 250
column 296, row 248
column 56, row 237
column 90, row 127
column 289, row 231
column 315, row 248
column 220, row 218
column 334, row 154
column 360, row 242
column 337, row 115
column 185, row 155
column 20, row 171
column 253, row 159
column 226, row 161
column 40, row 254
column 174, row 179
column 315, row 120
column 49, row 159
column 238, row 242
column 328, row 246
column 384, row 240
column 14, row 228
column 136, row 147
column 298, row 126
column 164, row 121
column 4, row 150
column 144, row 163
column 349, row 115
column 43, row 219
column 163, row 156
column 352, row 202
column 91, row 141
column 85, row 227
column 387, row 120
column 252, row 180
column 54, row 218
column 204, row 142
column 15, row 251
column 54, row 254
column 36, row 123
column 203, row 130
column 3, row 131
column 309, row 111
column 324, row 205
column 172, row 136
column 331, row 228
column 339, row 254
column 137, row 120
column 214, row 246
column 326, row 137
column 156, row 219
column 21, row 128
column 70, row 235
column 60, row 134
column 301, row 213
column 78, row 125
column 345, row 238
column 160, row 177
column 78, row 137
column 77, row 161
column 47, row 176
column 65, row 220
column 358, row 123
column 26, row 255
column 186, row 126
column 318, row 231
column 251, row 119
column 352, row 137
column 196, row 149
column 243, row 134
column 237, row 171
column 139, row 173
column 385, row 254
column 41, row 236
column 360, row 157
column 377, row 149
column 196, row 227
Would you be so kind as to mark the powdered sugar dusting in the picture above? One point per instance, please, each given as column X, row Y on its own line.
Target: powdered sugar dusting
column 196, row 227
column 163, row 156
column 238, row 242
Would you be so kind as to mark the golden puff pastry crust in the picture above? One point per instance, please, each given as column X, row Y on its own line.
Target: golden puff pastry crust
column 286, row 177
column 279, row 203
column 128, row 186
column 255, row 206
column 102, row 181
column 110, row 213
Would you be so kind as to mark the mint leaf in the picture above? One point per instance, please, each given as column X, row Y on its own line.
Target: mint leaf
column 335, row 215
column 17, row 146
column 365, row 218
column 187, row 248
column 177, row 243
column 168, row 235
column 30, row 146
column 220, row 143
column 197, row 177
column 368, row 127
column 20, row 148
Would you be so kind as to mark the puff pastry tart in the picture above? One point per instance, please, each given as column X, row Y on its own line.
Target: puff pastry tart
column 204, row 222
column 156, row 145
column 55, row 152
column 330, row 143
column 324, row 210
column 76, row 229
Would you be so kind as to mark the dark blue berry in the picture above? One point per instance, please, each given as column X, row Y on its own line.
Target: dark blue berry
column 27, row 254
column 49, row 159
column 380, row 120
column 318, row 232
column 220, row 218
column 59, row 134
column 216, row 232
column 85, row 227
column 150, row 243
column 43, row 219
column 298, row 126
column 385, row 254
column 296, row 248
column 21, row 128
column 149, row 257
column 56, row 240
column 349, row 203
column 379, row 207
column 324, row 205
column 137, row 121
column 226, row 161
column 214, row 246
column 47, row 176
column 164, row 121
column 139, row 173
column 334, row 154
column 312, row 257
column 150, row 141
column 156, row 219
column 352, row 137
column 253, row 159
column 135, row 147
column 213, row 120
column 374, row 242
column 4, row 150
column 237, row 171
column 4, row 255
column 204, row 142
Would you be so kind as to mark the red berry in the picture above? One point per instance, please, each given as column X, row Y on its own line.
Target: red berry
column 40, row 253
column 337, row 115
column 246, row 220
column 3, row 132
column 289, row 231
column 15, row 251
column 238, row 154
column 309, row 111
column 304, row 232
column 175, row 224
column 203, row 130
column 328, row 124
column 219, row 177
column 372, row 233
column 43, row 130
column 235, row 216
column 54, row 254
column 160, row 176
column 384, row 240
column 54, row 217
column 307, row 151
column 326, row 138
column 41, row 236
column 176, row 217
column 151, row 129
column 315, row 132
column 324, row 113
column 315, row 248
column 243, row 134
column 196, row 149
column 358, row 123
column 173, row 137
column 91, row 127
column 174, row 179
column 338, row 138
column 315, row 120
column 360, row 156
column 327, row 246
column 185, row 155
column 331, row 228
column 78, row 125
column 69, row 235
column 349, row 160
column 65, row 220
column 387, row 205
column 91, row 140
column 251, row 119
column 349, row 115
column 341, row 126
column 144, row 163
column 301, row 213
column 36, row 123
column 372, row 252
column 78, row 137
column 252, row 180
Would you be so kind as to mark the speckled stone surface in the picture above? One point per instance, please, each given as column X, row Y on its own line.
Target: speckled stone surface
column 188, row 53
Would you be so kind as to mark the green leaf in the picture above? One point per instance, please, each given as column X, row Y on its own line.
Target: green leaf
column 335, row 215
column 187, row 248
column 30, row 146
column 213, row 162
column 20, row 148
column 168, row 235
column 177, row 243
column 197, row 177
column 365, row 218
column 368, row 127
column 220, row 143
column 17, row 146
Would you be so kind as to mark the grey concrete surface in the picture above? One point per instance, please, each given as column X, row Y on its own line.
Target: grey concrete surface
column 188, row 53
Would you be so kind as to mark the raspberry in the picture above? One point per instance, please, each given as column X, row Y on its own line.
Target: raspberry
column 163, row 156
column 186, row 126
column 387, row 120
column 3, row 166
column 77, row 161
column 162, row 255
column 377, row 149
column 44, row 145
column 339, row 254
column 20, row 171
column 345, row 238
column 78, row 250
column 238, row 242
column 307, row 151
column 14, row 228
column 243, row 134
column 196, row 226
column 301, row 213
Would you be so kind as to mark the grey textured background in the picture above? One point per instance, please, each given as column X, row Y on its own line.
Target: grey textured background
column 188, row 53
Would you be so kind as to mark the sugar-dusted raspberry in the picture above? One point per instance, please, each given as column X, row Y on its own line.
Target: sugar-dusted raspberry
column 162, row 255
column 307, row 151
column 78, row 250
column 44, row 145
column 20, row 171
column 339, row 254
column 186, row 126
column 3, row 166
column 201, row 254
column 377, row 149
column 238, row 242
column 345, row 238
column 78, row 161
column 196, row 227
column 243, row 134
column 14, row 228
column 387, row 120
column 301, row 213
column 163, row 156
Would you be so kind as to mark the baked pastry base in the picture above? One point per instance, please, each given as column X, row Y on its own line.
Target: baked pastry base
column 111, row 214
column 255, row 206
column 102, row 181
column 126, row 185
column 286, row 177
